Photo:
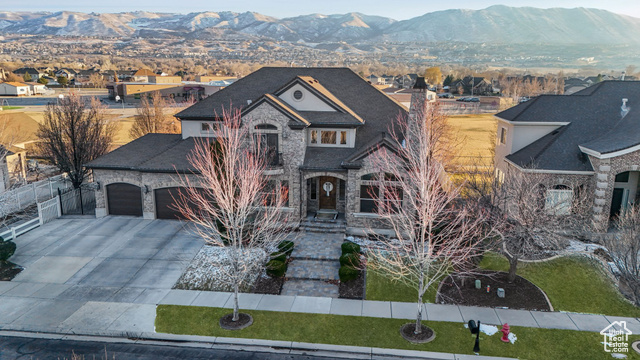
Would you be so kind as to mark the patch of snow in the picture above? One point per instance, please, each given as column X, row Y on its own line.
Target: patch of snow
column 490, row 330
column 618, row 356
column 210, row 269
column 512, row 337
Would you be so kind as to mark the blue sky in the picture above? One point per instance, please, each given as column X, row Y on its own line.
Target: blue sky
column 398, row 9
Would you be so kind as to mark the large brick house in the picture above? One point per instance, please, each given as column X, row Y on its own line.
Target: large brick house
column 591, row 136
column 320, row 124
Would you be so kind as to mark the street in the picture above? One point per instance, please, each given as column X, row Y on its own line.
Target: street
column 40, row 349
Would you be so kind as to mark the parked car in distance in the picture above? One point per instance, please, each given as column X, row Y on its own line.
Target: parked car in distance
column 446, row 96
column 461, row 99
column 473, row 99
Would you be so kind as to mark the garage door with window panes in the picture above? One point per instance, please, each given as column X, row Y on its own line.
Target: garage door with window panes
column 166, row 206
column 124, row 199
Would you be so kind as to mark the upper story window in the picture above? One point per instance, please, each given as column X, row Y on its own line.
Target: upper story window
column 266, row 138
column 298, row 95
column 503, row 135
column 332, row 137
column 205, row 126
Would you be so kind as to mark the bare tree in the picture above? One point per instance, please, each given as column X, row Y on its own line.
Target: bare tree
column 232, row 203
column 72, row 135
column 152, row 117
column 97, row 80
column 541, row 213
column 624, row 249
column 433, row 231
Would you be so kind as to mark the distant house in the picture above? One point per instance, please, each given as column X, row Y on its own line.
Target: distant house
column 66, row 72
column 473, row 85
column 375, row 80
column 142, row 75
column 36, row 88
column 33, row 72
column 84, row 76
column 14, row 89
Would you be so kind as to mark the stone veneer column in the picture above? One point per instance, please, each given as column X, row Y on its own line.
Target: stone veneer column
column 600, row 202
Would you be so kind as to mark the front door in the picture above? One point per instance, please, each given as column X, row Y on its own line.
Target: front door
column 328, row 190
column 616, row 202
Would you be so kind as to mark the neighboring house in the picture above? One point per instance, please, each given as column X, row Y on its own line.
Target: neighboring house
column 142, row 75
column 33, row 72
column 480, row 86
column 403, row 96
column 320, row 125
column 65, row 72
column 169, row 87
column 592, row 136
column 84, row 76
column 36, row 88
column 14, row 89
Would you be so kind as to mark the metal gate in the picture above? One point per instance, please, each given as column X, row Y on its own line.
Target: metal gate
column 80, row 201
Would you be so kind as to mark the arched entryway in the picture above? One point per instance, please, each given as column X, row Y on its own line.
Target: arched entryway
column 625, row 192
column 326, row 194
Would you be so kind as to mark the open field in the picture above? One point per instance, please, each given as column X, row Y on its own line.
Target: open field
column 476, row 134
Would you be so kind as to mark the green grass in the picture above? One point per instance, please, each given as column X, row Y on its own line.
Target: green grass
column 11, row 107
column 575, row 284
column 572, row 283
column 365, row 331
column 384, row 289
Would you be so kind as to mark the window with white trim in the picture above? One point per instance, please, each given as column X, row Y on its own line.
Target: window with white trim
column 375, row 187
column 558, row 200
column 503, row 135
column 331, row 137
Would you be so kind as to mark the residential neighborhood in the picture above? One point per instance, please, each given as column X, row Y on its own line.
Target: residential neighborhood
column 332, row 186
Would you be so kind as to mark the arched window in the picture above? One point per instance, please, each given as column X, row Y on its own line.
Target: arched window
column 380, row 189
column 266, row 141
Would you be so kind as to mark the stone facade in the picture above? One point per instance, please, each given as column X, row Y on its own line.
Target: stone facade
column 604, row 183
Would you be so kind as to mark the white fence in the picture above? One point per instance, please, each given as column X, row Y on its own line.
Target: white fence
column 47, row 211
column 24, row 196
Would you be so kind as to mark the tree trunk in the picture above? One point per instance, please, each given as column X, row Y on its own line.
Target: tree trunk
column 513, row 267
column 236, row 307
column 418, row 329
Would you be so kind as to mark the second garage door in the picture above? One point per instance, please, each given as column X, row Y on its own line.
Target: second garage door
column 124, row 199
column 165, row 203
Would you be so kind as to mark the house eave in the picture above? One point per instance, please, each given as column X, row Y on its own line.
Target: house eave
column 548, row 171
column 610, row 155
column 533, row 123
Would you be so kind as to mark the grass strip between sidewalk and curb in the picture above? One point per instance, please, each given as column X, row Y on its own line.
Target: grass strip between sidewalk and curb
column 532, row 343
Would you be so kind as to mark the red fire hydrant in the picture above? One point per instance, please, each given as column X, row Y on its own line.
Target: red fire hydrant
column 505, row 332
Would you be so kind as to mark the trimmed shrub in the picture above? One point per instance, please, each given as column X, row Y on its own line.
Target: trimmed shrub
column 349, row 247
column 347, row 273
column 276, row 268
column 286, row 247
column 278, row 256
column 7, row 249
column 352, row 259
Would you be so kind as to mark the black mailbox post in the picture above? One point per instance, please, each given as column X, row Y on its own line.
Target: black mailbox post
column 475, row 329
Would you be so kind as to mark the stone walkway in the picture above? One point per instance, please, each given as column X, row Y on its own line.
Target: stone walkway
column 314, row 265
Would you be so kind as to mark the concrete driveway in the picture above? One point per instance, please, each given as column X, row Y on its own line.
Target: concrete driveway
column 110, row 268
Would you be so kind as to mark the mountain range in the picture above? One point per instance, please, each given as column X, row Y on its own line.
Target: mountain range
column 496, row 24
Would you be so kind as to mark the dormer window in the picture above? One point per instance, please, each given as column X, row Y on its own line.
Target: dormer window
column 332, row 137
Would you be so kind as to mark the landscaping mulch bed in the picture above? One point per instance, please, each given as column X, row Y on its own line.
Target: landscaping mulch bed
column 244, row 320
column 521, row 294
column 268, row 285
column 353, row 289
column 9, row 270
column 426, row 335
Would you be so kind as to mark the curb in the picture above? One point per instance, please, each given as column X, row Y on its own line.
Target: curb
column 252, row 345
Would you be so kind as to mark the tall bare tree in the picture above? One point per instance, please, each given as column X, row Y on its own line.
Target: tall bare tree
column 434, row 232
column 72, row 135
column 97, row 80
column 541, row 213
column 153, row 117
column 232, row 203
column 624, row 248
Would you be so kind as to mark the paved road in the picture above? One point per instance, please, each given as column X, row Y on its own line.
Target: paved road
column 39, row 349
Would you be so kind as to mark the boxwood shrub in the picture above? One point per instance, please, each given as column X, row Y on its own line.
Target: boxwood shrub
column 349, row 247
column 7, row 249
column 278, row 256
column 351, row 259
column 348, row 273
column 276, row 268
column 286, row 247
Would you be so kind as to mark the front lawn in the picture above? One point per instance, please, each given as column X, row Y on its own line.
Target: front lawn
column 374, row 332
column 573, row 283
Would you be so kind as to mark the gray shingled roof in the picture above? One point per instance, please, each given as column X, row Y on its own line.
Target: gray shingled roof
column 595, row 122
column 151, row 153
